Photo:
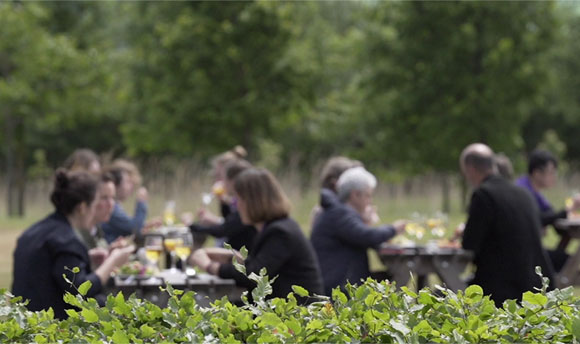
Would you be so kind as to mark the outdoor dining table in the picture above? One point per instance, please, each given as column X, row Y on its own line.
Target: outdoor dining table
column 207, row 287
column 569, row 229
column 447, row 263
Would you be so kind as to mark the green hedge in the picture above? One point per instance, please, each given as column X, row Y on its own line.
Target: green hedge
column 372, row 312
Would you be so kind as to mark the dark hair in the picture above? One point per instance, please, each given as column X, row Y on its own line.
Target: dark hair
column 236, row 153
column 107, row 177
column 81, row 159
column 539, row 159
column 264, row 198
column 72, row 189
column 504, row 166
column 233, row 168
column 333, row 168
column 481, row 162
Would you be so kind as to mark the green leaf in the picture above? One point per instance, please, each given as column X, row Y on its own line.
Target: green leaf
column 40, row 339
column 423, row 327
column 338, row 295
column 147, row 331
column 120, row 337
column 300, row 291
column 294, row 325
column 409, row 292
column 84, row 288
column 534, row 298
column 314, row 325
column 89, row 315
column 576, row 328
column 76, row 270
column 71, row 300
column 473, row 291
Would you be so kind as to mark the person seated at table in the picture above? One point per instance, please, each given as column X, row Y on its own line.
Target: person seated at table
column 83, row 159
column 219, row 164
column 503, row 230
column 504, row 166
column 126, row 177
column 94, row 237
column 331, row 171
column 542, row 173
column 280, row 246
column 234, row 232
column 340, row 235
column 52, row 246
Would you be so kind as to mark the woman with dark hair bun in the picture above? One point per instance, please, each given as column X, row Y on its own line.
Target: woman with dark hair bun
column 52, row 247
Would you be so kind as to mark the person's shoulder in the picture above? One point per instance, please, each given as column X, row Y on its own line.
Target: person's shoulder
column 328, row 199
column 285, row 225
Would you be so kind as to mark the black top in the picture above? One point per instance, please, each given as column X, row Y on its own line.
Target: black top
column 41, row 254
column 284, row 251
column 503, row 231
column 232, row 229
column 341, row 239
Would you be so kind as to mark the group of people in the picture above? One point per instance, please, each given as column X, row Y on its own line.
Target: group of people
column 89, row 229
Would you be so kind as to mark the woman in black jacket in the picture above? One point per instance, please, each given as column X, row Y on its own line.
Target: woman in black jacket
column 53, row 247
column 280, row 246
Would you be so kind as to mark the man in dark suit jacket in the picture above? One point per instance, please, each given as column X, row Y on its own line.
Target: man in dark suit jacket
column 503, row 230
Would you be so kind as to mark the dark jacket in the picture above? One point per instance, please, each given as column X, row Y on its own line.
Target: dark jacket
column 232, row 229
column 341, row 239
column 284, row 251
column 503, row 231
column 41, row 255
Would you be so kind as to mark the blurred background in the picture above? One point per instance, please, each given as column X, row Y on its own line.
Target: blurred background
column 401, row 86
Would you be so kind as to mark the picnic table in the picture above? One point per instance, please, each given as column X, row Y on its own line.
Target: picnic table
column 569, row 229
column 448, row 263
column 207, row 287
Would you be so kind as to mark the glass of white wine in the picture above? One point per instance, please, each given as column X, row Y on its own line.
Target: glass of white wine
column 172, row 240
column 183, row 248
column 153, row 249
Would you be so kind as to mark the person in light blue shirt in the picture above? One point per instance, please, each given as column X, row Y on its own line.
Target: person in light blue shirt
column 126, row 177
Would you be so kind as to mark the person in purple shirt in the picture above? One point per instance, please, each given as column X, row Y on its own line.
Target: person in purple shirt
column 542, row 174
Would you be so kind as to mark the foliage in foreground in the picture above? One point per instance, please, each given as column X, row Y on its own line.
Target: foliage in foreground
column 371, row 312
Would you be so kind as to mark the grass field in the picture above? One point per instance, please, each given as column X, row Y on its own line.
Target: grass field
column 392, row 203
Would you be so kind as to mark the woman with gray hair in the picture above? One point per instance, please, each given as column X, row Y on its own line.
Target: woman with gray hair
column 340, row 235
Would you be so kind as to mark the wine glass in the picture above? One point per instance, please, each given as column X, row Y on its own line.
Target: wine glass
column 172, row 240
column 153, row 249
column 183, row 248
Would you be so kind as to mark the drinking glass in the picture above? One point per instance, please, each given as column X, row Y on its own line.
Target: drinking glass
column 172, row 240
column 183, row 248
column 153, row 249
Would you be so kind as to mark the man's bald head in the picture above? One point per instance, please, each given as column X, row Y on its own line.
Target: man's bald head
column 478, row 156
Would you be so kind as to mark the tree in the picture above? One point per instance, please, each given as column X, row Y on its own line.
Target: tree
column 459, row 72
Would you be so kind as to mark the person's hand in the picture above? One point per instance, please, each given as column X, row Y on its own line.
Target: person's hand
column 400, row 226
column 200, row 258
column 458, row 233
column 207, row 218
column 186, row 218
column 142, row 194
column 221, row 255
column 120, row 256
column 98, row 256
column 121, row 242
column 370, row 216
column 150, row 225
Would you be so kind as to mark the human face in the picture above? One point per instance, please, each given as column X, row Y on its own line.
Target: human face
column 545, row 177
column 105, row 203
column 361, row 199
column 126, row 187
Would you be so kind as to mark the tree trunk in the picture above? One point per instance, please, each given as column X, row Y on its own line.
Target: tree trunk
column 446, row 200
column 15, row 164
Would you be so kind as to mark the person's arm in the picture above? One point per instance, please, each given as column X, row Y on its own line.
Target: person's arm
column 550, row 216
column 478, row 223
column 350, row 228
column 121, row 224
column 71, row 260
column 230, row 225
column 273, row 255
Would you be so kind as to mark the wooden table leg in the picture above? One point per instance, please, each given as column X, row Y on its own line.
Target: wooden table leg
column 449, row 270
